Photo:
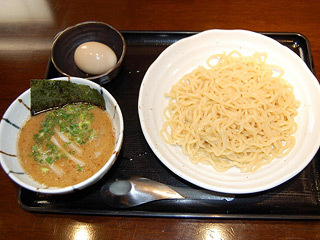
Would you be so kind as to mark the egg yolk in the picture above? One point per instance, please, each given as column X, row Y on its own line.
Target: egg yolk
column 94, row 58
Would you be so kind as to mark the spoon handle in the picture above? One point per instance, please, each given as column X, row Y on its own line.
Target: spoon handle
column 163, row 191
column 201, row 194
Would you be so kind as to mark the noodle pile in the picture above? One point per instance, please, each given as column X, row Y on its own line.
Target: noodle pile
column 233, row 113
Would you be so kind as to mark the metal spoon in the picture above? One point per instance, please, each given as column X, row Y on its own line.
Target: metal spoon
column 134, row 191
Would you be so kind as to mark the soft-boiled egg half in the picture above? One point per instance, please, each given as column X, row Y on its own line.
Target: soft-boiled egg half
column 94, row 58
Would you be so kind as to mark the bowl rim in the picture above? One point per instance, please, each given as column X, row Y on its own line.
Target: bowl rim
column 95, row 77
column 92, row 179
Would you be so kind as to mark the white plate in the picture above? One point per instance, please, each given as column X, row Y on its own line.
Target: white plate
column 185, row 55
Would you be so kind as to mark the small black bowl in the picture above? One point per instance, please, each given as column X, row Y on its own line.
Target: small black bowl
column 67, row 41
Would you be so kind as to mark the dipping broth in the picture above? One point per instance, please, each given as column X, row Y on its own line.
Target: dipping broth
column 64, row 147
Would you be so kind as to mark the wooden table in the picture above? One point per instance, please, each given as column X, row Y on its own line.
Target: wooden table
column 26, row 32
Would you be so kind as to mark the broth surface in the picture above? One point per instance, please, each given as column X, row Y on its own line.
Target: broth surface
column 81, row 162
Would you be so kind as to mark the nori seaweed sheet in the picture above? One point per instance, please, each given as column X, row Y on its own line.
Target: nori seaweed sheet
column 49, row 94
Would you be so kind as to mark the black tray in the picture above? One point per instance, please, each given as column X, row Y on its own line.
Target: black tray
column 297, row 198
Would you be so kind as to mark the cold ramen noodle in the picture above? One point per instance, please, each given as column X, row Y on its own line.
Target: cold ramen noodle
column 65, row 146
column 238, row 112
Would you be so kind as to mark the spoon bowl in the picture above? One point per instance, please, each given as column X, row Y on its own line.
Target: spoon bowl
column 134, row 191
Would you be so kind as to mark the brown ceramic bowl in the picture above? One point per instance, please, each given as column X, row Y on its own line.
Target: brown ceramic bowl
column 67, row 41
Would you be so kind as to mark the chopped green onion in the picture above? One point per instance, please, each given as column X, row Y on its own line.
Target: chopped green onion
column 75, row 123
column 44, row 170
column 79, row 168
